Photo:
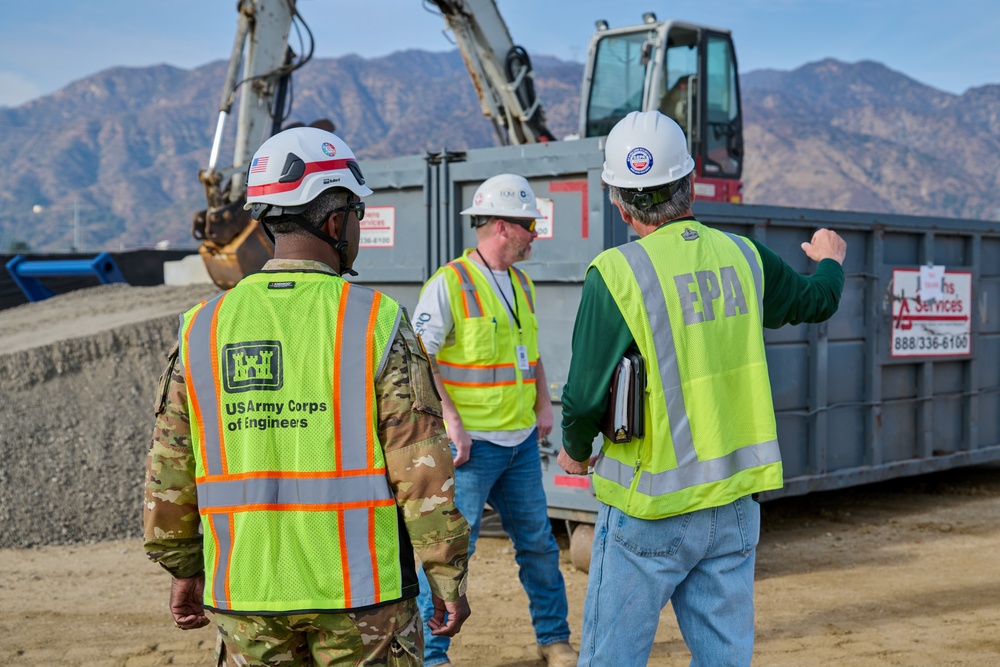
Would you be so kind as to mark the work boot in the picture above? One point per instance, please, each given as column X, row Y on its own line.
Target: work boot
column 560, row 654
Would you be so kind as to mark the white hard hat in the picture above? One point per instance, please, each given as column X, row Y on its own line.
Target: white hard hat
column 645, row 149
column 504, row 196
column 295, row 166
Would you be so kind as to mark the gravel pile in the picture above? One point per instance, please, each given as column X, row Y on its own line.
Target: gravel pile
column 78, row 376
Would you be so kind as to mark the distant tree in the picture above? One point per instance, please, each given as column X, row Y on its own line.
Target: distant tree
column 19, row 246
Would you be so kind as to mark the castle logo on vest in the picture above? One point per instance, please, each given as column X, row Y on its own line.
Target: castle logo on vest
column 253, row 365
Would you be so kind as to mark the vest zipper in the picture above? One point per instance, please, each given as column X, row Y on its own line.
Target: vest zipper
column 630, row 493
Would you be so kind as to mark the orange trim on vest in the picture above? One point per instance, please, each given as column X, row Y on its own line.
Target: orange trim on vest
column 505, row 383
column 456, row 365
column 215, row 568
column 465, row 295
column 471, row 283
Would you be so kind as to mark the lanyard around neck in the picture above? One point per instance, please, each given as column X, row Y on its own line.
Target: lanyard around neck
column 512, row 311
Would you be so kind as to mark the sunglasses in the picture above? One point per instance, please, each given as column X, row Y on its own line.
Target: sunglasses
column 528, row 225
column 357, row 206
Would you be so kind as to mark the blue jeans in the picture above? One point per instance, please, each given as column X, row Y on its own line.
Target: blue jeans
column 510, row 478
column 702, row 562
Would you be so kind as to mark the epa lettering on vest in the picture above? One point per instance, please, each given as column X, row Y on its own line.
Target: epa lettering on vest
column 699, row 290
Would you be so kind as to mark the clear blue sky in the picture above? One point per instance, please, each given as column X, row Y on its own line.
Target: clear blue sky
column 950, row 45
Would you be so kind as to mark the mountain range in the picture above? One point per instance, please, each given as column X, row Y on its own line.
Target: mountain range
column 111, row 161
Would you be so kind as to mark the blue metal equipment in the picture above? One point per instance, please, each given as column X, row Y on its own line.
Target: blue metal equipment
column 26, row 273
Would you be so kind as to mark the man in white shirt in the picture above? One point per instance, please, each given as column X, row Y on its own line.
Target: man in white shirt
column 476, row 315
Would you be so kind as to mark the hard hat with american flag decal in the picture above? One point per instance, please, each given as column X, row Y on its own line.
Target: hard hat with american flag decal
column 295, row 166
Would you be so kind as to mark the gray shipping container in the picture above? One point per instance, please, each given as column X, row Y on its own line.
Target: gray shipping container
column 893, row 385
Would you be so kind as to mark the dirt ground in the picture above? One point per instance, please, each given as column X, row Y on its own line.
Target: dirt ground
column 905, row 572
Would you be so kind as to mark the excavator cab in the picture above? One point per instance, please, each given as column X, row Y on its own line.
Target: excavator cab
column 685, row 71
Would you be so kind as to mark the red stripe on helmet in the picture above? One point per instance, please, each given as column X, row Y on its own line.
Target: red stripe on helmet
column 311, row 168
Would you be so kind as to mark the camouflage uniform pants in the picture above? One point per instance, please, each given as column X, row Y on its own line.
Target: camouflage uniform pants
column 391, row 635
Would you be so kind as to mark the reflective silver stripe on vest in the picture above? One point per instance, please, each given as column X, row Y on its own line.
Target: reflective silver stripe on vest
column 224, row 546
column 359, row 556
column 758, row 278
column 613, row 471
column 200, row 352
column 666, row 355
column 292, row 491
column 525, row 287
column 700, row 472
column 469, row 287
column 483, row 375
column 352, row 364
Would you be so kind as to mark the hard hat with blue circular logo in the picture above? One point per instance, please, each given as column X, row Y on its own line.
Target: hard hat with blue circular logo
column 645, row 149
column 504, row 196
column 295, row 166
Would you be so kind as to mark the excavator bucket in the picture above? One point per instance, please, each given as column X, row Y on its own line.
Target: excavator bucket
column 245, row 254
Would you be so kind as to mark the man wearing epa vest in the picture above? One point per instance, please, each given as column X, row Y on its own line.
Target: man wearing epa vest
column 679, row 521
column 299, row 430
column 477, row 315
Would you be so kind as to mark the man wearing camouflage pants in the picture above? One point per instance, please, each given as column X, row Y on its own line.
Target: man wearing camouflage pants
column 298, row 421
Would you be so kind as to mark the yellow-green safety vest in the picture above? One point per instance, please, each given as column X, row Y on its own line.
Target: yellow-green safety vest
column 480, row 370
column 296, row 510
column 692, row 298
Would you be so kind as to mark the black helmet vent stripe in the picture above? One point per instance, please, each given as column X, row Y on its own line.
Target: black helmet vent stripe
column 356, row 170
column 293, row 170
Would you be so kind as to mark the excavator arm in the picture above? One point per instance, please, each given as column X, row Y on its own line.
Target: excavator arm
column 501, row 72
column 260, row 68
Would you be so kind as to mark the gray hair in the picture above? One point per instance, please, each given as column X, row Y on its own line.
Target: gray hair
column 315, row 213
column 657, row 214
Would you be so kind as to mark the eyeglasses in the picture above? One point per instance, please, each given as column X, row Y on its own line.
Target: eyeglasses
column 527, row 225
column 357, row 206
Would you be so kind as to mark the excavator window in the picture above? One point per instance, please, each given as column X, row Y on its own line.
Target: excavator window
column 618, row 80
column 678, row 97
column 722, row 143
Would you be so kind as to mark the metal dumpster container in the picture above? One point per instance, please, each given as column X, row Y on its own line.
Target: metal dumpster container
column 894, row 384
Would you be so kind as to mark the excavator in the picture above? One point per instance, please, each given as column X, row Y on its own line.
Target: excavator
column 685, row 70
column 654, row 65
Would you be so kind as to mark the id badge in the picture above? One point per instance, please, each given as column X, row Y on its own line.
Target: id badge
column 522, row 358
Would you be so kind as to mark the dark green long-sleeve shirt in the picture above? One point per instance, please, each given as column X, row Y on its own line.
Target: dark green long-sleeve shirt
column 601, row 336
